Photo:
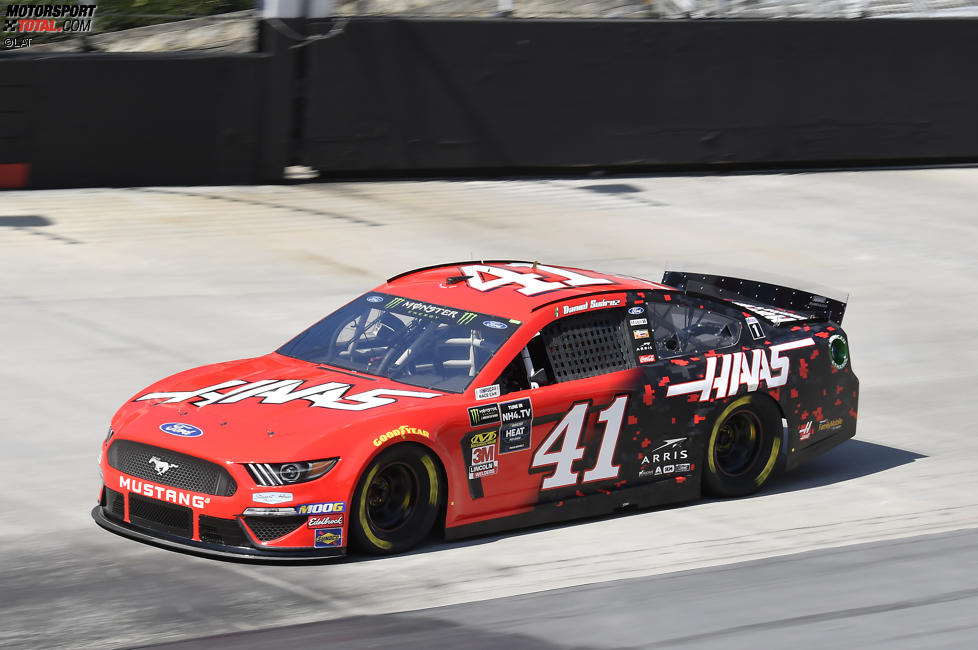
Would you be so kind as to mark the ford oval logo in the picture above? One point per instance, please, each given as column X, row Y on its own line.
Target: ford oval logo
column 495, row 324
column 181, row 429
column 375, row 299
column 635, row 311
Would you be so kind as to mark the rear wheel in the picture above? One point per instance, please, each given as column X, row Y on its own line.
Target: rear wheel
column 743, row 447
column 396, row 500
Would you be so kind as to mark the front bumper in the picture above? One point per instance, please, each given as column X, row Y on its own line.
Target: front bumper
column 206, row 549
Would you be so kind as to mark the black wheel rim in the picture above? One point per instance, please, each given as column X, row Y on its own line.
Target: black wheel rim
column 738, row 443
column 391, row 497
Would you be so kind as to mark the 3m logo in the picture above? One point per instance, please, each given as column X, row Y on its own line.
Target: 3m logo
column 482, row 459
column 736, row 370
column 482, row 455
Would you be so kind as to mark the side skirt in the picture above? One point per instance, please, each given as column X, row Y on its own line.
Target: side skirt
column 639, row 496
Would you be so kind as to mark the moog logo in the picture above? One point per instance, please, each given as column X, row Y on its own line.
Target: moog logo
column 321, row 508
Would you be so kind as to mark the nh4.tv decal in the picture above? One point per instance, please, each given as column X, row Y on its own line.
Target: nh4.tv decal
column 331, row 395
column 517, row 423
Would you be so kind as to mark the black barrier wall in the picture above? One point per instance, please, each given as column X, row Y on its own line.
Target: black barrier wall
column 395, row 96
column 139, row 119
column 405, row 95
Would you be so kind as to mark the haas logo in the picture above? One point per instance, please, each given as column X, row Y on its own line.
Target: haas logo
column 161, row 466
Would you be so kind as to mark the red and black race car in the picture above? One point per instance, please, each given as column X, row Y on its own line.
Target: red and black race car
column 482, row 396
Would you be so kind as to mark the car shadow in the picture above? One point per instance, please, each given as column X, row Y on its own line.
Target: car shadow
column 850, row 460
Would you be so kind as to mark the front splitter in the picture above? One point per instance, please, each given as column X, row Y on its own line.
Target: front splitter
column 205, row 549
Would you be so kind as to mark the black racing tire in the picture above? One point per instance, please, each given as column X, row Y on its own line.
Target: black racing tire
column 397, row 500
column 743, row 447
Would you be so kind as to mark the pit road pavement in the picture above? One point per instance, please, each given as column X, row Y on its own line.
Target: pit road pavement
column 103, row 291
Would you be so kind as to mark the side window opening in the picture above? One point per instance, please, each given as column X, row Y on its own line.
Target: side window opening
column 574, row 347
column 589, row 344
column 528, row 369
column 681, row 329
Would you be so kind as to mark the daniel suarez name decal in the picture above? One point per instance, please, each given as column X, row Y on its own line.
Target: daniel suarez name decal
column 750, row 368
column 331, row 395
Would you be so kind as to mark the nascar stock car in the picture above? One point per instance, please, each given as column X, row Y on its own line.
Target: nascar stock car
column 481, row 396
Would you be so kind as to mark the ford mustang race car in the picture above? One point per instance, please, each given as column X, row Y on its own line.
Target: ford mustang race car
column 482, row 396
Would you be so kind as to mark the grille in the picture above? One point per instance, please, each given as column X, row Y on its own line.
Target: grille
column 226, row 532
column 185, row 472
column 268, row 528
column 113, row 503
column 589, row 345
column 158, row 515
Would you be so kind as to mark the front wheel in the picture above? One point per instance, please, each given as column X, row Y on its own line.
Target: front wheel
column 396, row 500
column 743, row 447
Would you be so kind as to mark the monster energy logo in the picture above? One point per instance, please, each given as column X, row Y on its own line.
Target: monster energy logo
column 467, row 317
column 394, row 302
column 479, row 415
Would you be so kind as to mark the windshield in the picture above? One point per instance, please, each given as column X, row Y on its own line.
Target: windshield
column 410, row 341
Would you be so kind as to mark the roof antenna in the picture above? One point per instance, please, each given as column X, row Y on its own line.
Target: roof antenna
column 535, row 262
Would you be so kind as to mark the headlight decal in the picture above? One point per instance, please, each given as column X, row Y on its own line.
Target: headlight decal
column 277, row 474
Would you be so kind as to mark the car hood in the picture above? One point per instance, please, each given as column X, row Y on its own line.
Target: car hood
column 266, row 409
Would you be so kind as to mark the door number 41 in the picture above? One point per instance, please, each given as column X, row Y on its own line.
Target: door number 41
column 571, row 427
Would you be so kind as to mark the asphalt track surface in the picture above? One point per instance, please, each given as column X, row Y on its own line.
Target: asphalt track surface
column 103, row 291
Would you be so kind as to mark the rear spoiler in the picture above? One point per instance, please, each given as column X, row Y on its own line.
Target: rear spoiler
column 775, row 303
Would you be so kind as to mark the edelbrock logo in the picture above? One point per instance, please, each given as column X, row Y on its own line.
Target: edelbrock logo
column 181, row 429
